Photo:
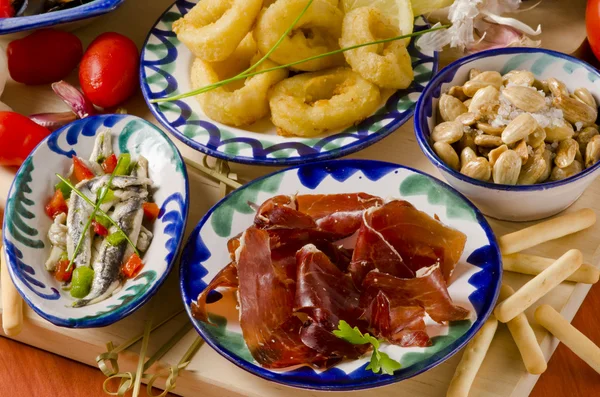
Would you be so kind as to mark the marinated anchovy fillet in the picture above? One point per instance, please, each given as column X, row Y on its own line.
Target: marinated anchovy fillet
column 95, row 252
column 128, row 215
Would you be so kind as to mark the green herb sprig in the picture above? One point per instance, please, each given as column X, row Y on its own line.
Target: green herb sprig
column 287, row 65
column 380, row 361
column 103, row 192
column 104, row 214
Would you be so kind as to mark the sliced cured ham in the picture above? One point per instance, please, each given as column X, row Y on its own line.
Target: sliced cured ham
column 270, row 330
column 428, row 290
column 226, row 278
column 337, row 213
column 281, row 212
column 418, row 239
column 325, row 293
column 403, row 325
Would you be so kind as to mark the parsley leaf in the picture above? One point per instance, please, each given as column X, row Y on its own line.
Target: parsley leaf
column 379, row 361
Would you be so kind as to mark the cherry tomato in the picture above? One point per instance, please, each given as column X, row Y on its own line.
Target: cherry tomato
column 80, row 171
column 56, row 205
column 110, row 164
column 151, row 211
column 6, row 9
column 18, row 137
column 132, row 267
column 61, row 273
column 109, row 70
column 43, row 57
column 99, row 229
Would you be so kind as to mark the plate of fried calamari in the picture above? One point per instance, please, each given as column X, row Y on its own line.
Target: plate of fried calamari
column 273, row 81
column 340, row 275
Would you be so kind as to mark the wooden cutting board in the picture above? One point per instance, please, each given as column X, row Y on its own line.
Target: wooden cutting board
column 209, row 374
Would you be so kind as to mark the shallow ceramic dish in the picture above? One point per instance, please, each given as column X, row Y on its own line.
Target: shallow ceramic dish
column 475, row 283
column 165, row 71
column 506, row 202
column 26, row 224
column 56, row 18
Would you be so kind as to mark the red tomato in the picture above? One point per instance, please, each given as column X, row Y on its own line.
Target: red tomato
column 56, row 205
column 99, row 229
column 109, row 70
column 132, row 267
column 6, row 9
column 151, row 211
column 18, row 137
column 44, row 56
column 80, row 171
column 61, row 273
column 110, row 164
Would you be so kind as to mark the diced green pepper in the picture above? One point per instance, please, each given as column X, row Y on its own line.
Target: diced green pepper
column 109, row 196
column 81, row 283
column 123, row 164
column 64, row 188
column 116, row 238
column 104, row 221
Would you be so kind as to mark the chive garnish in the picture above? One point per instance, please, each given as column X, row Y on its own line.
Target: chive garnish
column 99, row 211
column 103, row 192
column 244, row 75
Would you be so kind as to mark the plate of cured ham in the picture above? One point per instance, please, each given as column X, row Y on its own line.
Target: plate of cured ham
column 280, row 273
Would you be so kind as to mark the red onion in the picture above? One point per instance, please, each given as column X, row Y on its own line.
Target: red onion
column 80, row 105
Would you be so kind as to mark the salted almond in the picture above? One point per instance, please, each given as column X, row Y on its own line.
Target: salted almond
column 447, row 154
column 494, row 154
column 592, row 152
column 507, row 168
column 488, row 141
column 451, row 107
column 448, row 131
column 478, row 168
column 522, row 151
column 558, row 173
column 566, row 152
column 485, row 98
column 482, row 80
column 489, row 129
column 519, row 77
column 576, row 111
column 532, row 171
column 519, row 128
column 561, row 131
column 525, row 98
column 585, row 96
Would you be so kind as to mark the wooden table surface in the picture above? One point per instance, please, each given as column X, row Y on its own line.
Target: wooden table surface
column 27, row 371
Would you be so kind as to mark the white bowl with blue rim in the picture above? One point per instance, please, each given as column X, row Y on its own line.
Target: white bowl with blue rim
column 26, row 224
column 68, row 18
column 507, row 202
column 165, row 71
column 474, row 285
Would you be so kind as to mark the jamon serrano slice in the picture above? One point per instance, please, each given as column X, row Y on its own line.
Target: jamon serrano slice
column 280, row 212
column 270, row 330
column 373, row 251
column 402, row 325
column 337, row 213
column 226, row 278
column 420, row 240
column 325, row 293
column 427, row 290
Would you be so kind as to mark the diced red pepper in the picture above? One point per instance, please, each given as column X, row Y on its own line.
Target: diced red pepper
column 61, row 273
column 99, row 229
column 80, row 171
column 110, row 164
column 151, row 211
column 56, row 205
column 132, row 267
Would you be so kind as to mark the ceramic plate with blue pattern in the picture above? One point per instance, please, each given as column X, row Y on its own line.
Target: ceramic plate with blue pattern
column 165, row 71
column 474, row 284
column 26, row 223
column 56, row 18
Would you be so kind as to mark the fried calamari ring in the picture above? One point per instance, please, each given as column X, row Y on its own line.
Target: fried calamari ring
column 241, row 102
column 312, row 103
column 213, row 29
column 317, row 32
column 386, row 65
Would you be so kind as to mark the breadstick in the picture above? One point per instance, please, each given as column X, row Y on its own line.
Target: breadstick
column 12, row 304
column 472, row 359
column 538, row 286
column 524, row 337
column 534, row 265
column 569, row 335
column 546, row 231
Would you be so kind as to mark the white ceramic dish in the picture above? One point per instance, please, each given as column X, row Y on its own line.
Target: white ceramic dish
column 507, row 202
